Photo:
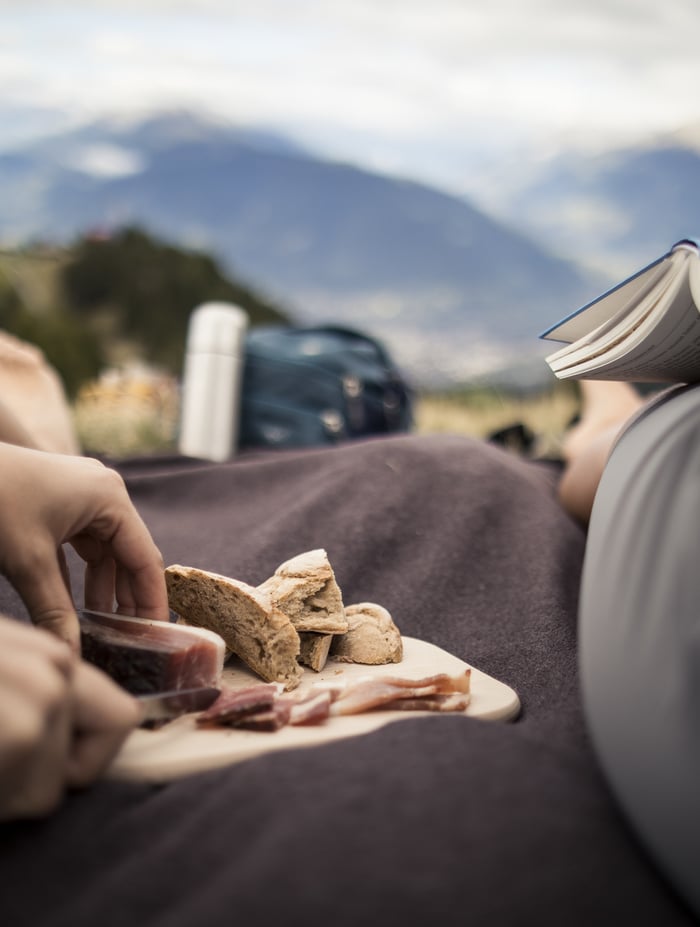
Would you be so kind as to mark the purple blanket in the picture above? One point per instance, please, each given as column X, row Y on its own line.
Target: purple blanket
column 439, row 817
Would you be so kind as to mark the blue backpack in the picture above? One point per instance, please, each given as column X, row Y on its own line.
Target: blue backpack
column 319, row 385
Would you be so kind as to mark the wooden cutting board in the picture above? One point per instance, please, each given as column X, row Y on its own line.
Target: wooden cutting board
column 180, row 747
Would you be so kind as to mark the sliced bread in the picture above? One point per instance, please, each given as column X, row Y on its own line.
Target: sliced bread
column 248, row 621
column 305, row 589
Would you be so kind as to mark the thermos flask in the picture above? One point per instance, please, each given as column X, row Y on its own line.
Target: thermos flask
column 211, row 382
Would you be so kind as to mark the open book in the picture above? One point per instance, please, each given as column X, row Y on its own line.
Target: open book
column 645, row 329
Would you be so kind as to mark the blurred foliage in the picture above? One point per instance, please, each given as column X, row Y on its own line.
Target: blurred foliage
column 72, row 349
column 150, row 288
column 113, row 300
column 480, row 411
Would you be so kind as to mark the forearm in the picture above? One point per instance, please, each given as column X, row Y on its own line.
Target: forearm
column 34, row 411
column 12, row 431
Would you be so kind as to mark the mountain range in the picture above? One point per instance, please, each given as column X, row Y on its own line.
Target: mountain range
column 453, row 291
column 617, row 210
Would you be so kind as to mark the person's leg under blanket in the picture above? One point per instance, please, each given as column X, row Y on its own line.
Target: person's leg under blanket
column 640, row 631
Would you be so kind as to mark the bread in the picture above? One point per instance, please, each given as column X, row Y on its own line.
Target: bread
column 314, row 649
column 305, row 589
column 252, row 627
column 372, row 637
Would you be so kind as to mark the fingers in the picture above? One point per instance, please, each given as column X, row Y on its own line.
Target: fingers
column 100, row 583
column 61, row 721
column 103, row 715
column 139, row 592
column 121, row 556
column 48, row 500
column 40, row 580
column 36, row 671
column 14, row 636
column 138, row 586
column 140, row 578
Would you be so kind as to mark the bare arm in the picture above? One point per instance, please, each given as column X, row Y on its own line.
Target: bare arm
column 12, row 431
column 34, row 411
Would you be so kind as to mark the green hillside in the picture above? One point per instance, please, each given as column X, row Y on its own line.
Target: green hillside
column 110, row 300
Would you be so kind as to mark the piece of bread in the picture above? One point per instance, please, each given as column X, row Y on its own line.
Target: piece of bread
column 260, row 634
column 314, row 649
column 372, row 637
column 305, row 589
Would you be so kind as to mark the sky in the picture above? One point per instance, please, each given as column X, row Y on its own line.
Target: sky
column 446, row 91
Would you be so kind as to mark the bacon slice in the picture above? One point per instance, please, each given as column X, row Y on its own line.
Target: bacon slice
column 273, row 719
column 311, row 709
column 233, row 705
column 265, row 706
column 371, row 693
column 441, row 701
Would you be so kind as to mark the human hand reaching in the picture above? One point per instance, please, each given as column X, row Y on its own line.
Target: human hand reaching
column 47, row 500
column 61, row 720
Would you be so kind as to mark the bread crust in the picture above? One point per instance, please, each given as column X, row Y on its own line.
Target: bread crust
column 305, row 589
column 248, row 621
column 372, row 636
column 314, row 649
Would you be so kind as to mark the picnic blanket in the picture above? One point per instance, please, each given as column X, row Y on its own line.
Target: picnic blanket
column 505, row 823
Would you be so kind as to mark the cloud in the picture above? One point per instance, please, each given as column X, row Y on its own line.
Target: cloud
column 392, row 82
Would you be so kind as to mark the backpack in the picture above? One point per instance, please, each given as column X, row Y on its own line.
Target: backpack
column 318, row 385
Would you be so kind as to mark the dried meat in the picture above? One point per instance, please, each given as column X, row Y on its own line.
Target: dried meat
column 233, row 705
column 266, row 707
column 145, row 655
column 370, row 693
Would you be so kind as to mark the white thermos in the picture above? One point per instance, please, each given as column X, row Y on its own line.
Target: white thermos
column 211, row 382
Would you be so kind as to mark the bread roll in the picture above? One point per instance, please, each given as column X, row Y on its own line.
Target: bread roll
column 372, row 637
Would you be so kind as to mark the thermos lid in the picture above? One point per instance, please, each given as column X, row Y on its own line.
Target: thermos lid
column 217, row 328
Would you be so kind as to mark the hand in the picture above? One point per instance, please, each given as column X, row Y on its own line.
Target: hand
column 47, row 500
column 61, row 720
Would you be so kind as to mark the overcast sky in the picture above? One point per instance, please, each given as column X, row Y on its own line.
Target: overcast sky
column 428, row 88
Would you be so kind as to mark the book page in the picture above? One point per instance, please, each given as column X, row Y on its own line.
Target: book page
column 612, row 305
column 665, row 349
column 627, row 320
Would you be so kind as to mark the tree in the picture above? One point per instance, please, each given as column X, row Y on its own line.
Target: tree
column 72, row 350
column 151, row 288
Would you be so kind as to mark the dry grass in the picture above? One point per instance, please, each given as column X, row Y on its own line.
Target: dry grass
column 136, row 411
column 479, row 413
column 128, row 413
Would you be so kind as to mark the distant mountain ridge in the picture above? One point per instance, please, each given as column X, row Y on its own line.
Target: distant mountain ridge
column 615, row 211
column 448, row 288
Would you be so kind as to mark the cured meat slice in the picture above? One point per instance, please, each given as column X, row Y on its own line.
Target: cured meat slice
column 271, row 720
column 266, row 707
column 232, row 705
column 369, row 693
column 441, row 701
column 313, row 708
column 144, row 655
